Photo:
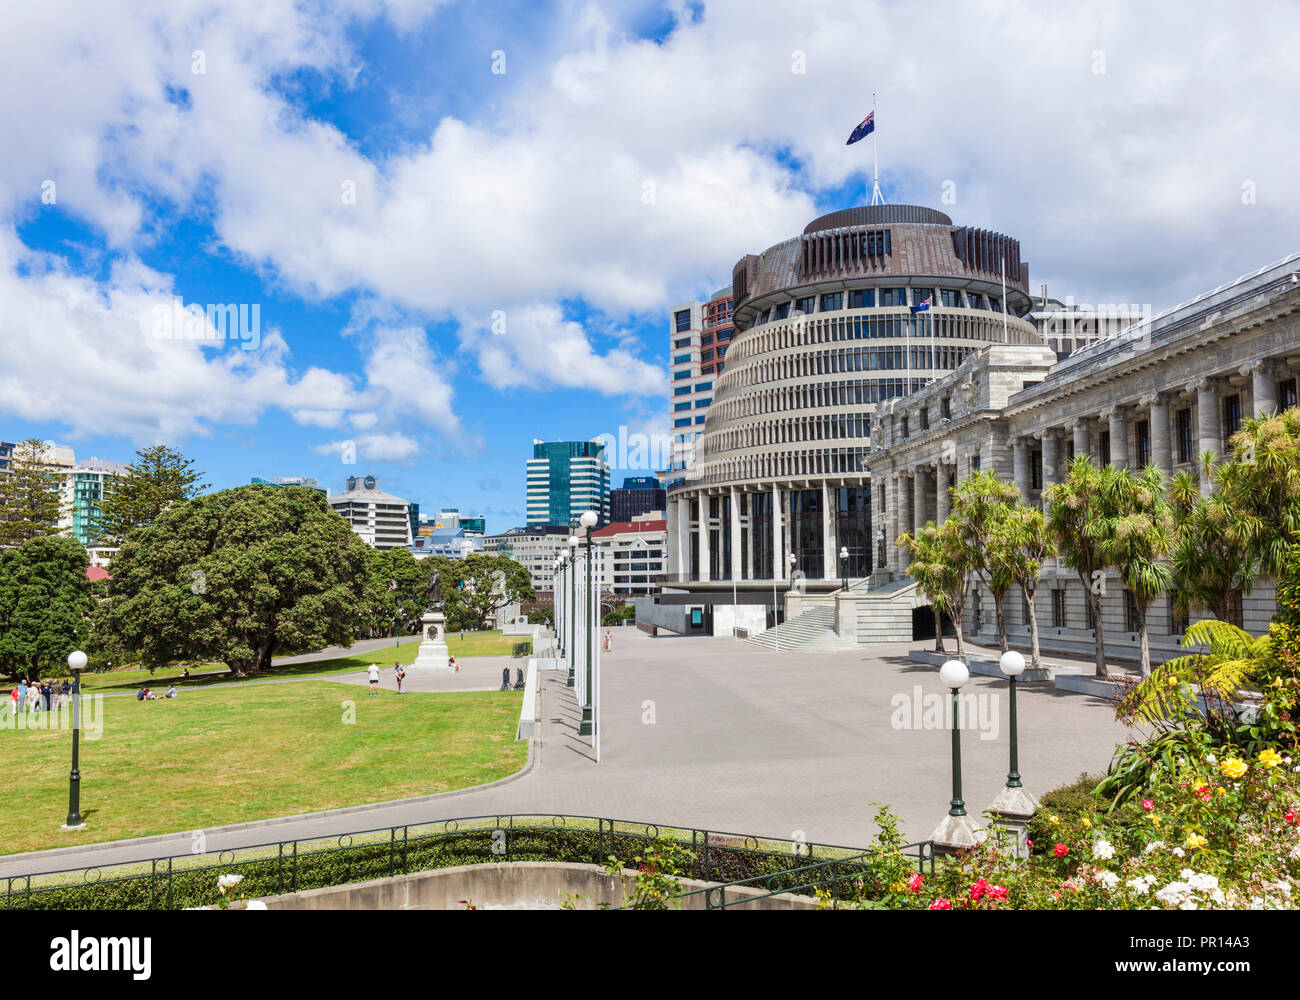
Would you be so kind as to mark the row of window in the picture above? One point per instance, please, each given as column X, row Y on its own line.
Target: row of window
column 829, row 427
column 879, row 298
column 855, row 359
column 818, row 462
column 815, row 395
column 686, row 390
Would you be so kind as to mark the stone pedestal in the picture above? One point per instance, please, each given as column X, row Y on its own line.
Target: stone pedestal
column 433, row 656
column 1012, row 810
column 956, row 833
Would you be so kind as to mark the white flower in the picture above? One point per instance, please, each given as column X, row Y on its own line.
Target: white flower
column 1103, row 849
column 1108, row 879
column 1210, row 759
column 1202, row 883
column 1155, row 845
column 1142, row 883
column 1174, row 894
column 255, row 904
column 1180, row 852
column 229, row 881
column 1187, row 904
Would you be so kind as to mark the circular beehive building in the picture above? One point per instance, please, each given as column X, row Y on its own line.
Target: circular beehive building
column 867, row 304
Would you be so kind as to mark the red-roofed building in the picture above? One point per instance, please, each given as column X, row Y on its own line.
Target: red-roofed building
column 96, row 573
column 634, row 554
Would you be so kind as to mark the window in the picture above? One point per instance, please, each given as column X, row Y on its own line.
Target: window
column 1235, row 614
column 1132, row 614
column 950, row 297
column 832, row 301
column 1103, row 447
column 1286, row 394
column 1142, row 434
column 904, row 425
column 1035, row 470
column 976, row 300
column 679, row 344
column 678, row 376
column 862, row 298
column 683, row 390
column 945, row 407
column 1183, row 423
column 682, row 320
column 684, row 422
column 706, row 355
column 700, row 419
column 919, row 295
column 995, row 304
column 682, row 359
column 877, row 243
column 1231, row 415
column 701, row 404
column 681, row 406
column 1178, row 620
column 806, row 304
column 706, row 340
column 1058, row 608
column 704, row 387
column 781, row 311
column 893, row 296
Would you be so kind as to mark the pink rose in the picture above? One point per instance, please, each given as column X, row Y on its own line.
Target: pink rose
column 940, row 904
column 914, row 883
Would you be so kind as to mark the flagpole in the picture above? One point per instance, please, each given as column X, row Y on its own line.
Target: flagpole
column 876, row 197
column 1004, row 299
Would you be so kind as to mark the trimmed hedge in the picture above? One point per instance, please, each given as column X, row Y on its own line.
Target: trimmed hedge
column 191, row 887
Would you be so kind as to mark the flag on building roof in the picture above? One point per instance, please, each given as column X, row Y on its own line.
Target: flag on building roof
column 864, row 129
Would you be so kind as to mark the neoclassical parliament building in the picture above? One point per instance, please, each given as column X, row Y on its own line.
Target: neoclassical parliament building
column 886, row 353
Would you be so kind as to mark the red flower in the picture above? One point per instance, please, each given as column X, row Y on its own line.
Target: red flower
column 1061, row 850
column 1029, row 843
column 997, row 892
column 914, row 883
column 978, row 890
column 940, row 904
column 1291, row 817
column 1204, row 794
column 1148, row 805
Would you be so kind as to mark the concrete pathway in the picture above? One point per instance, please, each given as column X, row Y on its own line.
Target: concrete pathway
column 717, row 733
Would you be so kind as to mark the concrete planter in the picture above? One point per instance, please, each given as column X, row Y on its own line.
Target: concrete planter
column 1098, row 687
column 990, row 668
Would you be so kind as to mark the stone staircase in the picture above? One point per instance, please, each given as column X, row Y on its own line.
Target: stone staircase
column 814, row 630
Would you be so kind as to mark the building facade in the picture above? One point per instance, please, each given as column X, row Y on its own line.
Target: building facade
column 380, row 519
column 1161, row 392
column 564, row 479
column 632, row 555
column 700, row 334
column 81, row 494
column 866, row 305
column 535, row 547
column 639, row 495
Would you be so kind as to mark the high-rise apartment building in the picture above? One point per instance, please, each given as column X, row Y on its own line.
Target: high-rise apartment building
column 81, row 494
column 699, row 335
column 565, row 478
column 381, row 519
column 638, row 495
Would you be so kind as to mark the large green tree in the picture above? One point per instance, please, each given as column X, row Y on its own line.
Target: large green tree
column 475, row 587
column 396, row 592
column 1023, row 544
column 237, row 576
column 29, row 495
column 158, row 479
column 1260, row 483
column 45, row 605
column 1211, row 563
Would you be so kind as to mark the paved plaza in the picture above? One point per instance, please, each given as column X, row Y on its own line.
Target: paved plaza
column 718, row 733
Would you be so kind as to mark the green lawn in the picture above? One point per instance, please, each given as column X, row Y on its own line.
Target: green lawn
column 491, row 643
column 229, row 755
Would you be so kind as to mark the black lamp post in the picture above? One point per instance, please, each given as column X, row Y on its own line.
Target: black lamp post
column 1013, row 665
column 588, row 725
column 573, row 604
column 77, row 662
column 953, row 675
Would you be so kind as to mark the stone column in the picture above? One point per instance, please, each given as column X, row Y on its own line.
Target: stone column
column 684, row 538
column 830, row 547
column 735, row 534
column 942, row 499
column 1161, row 445
column 1020, row 466
column 672, row 553
column 1082, row 442
column 1118, row 436
column 895, row 521
column 1051, row 462
column 919, row 476
column 1263, row 388
column 1209, row 430
column 778, row 550
column 705, row 569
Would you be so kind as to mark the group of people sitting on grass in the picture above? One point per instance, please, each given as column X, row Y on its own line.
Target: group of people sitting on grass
column 39, row 696
column 144, row 694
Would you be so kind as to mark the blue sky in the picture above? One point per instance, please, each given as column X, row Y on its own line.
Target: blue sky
column 533, row 186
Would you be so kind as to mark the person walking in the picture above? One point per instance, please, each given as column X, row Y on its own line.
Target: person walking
column 47, row 693
column 399, row 672
column 13, row 701
column 22, row 693
column 374, row 678
column 65, row 693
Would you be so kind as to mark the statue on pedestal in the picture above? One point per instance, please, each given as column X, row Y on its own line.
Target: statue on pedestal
column 433, row 656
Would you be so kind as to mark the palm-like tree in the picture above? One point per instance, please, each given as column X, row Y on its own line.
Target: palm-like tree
column 1024, row 543
column 1078, row 519
column 941, row 567
column 1212, row 562
column 1139, row 534
column 980, row 507
column 1260, row 482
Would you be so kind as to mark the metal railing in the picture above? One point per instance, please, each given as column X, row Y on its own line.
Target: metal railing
column 181, row 881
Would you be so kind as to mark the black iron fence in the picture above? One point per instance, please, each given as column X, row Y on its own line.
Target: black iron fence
column 183, row 881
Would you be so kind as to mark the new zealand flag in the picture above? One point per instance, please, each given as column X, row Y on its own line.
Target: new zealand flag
column 864, row 129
